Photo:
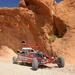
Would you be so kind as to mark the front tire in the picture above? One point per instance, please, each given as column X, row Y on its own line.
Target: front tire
column 60, row 62
column 34, row 64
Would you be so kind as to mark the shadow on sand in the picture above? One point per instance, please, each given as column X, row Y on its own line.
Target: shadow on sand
column 41, row 66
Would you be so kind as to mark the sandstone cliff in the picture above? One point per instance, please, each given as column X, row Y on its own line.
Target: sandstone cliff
column 66, row 45
column 30, row 24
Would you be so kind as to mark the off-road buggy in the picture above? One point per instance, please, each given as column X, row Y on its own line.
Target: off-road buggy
column 36, row 58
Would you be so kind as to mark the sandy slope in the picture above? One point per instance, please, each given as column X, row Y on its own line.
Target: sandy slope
column 6, row 54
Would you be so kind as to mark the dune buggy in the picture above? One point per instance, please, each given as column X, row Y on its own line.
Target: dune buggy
column 36, row 58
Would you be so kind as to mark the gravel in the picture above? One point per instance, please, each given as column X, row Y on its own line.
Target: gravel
column 14, row 69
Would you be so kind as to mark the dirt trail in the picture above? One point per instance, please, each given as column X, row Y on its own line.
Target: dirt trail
column 26, row 70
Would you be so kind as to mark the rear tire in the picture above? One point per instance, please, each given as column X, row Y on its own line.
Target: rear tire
column 60, row 62
column 14, row 60
column 34, row 64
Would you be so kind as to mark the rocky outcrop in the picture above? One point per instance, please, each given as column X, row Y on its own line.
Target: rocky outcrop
column 31, row 22
column 25, row 24
column 38, row 6
column 70, row 3
column 22, row 3
column 65, row 46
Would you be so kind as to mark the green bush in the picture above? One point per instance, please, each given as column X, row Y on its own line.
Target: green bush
column 52, row 38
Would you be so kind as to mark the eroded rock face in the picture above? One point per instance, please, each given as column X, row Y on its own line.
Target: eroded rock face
column 70, row 3
column 27, row 25
column 38, row 6
column 22, row 3
column 66, row 45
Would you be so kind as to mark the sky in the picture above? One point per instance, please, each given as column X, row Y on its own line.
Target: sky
column 9, row 3
column 58, row 1
column 13, row 3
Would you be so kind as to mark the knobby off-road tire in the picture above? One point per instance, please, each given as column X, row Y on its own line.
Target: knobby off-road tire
column 14, row 60
column 60, row 62
column 34, row 64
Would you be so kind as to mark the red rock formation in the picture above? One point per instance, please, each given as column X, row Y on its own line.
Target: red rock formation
column 25, row 23
column 22, row 3
column 66, row 45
